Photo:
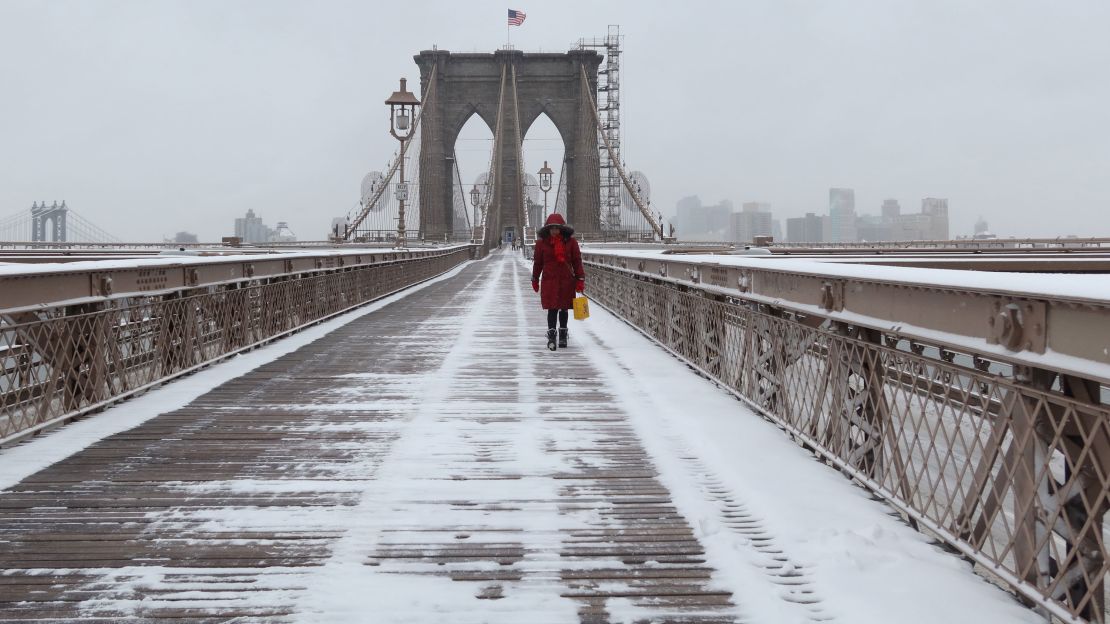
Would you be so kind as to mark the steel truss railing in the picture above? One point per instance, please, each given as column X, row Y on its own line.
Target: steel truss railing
column 1008, row 463
column 1054, row 244
column 75, row 341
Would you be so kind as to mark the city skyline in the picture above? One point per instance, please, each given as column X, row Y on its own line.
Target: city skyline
column 993, row 105
column 723, row 221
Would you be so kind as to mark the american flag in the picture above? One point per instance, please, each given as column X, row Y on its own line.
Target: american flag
column 516, row 18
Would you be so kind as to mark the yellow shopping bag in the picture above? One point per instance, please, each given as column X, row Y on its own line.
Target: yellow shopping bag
column 581, row 308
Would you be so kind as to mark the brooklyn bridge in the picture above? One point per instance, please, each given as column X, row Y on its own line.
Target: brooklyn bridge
column 370, row 428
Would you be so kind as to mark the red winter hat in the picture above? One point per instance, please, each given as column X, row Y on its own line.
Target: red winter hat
column 555, row 219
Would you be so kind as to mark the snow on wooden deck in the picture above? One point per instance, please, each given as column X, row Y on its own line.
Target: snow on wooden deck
column 431, row 461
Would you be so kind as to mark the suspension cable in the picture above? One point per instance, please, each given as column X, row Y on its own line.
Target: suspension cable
column 493, row 186
column 397, row 161
column 561, row 190
column 520, row 159
column 462, row 191
column 655, row 226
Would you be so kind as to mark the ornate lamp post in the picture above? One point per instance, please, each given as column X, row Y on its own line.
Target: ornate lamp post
column 475, row 197
column 402, row 111
column 545, row 184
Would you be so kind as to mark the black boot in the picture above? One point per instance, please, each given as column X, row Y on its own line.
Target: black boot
column 562, row 337
column 551, row 339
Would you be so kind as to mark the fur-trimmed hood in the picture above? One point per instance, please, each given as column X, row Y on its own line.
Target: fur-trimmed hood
column 555, row 220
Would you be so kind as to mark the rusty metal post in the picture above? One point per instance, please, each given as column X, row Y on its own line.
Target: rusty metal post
column 171, row 343
column 1029, row 472
column 767, row 378
column 873, row 412
column 859, row 412
column 1085, row 442
column 83, row 361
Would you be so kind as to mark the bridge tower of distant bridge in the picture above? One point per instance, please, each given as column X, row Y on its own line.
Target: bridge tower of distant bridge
column 51, row 223
column 55, row 216
column 509, row 89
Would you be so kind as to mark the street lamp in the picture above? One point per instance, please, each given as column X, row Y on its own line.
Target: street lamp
column 402, row 110
column 475, row 197
column 545, row 184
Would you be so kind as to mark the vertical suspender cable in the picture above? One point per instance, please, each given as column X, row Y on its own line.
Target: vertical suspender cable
column 397, row 161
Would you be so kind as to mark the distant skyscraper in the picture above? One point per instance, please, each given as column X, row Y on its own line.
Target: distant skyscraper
column 912, row 227
column 251, row 229
column 937, row 209
column 842, row 213
column 753, row 220
column 717, row 219
column 872, row 228
column 807, row 229
column 689, row 217
column 698, row 222
column 891, row 209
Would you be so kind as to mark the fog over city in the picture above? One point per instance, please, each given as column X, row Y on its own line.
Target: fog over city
column 149, row 117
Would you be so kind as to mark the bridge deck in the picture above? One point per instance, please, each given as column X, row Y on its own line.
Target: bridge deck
column 429, row 461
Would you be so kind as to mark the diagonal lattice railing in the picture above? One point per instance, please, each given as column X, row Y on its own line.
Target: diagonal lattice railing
column 104, row 341
column 1006, row 459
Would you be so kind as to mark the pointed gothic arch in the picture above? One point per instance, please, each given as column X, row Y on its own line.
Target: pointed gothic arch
column 469, row 84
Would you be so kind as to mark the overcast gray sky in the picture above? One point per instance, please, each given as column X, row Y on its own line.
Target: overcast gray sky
column 152, row 116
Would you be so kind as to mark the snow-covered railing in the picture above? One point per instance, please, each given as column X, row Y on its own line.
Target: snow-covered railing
column 78, row 336
column 975, row 403
column 959, row 243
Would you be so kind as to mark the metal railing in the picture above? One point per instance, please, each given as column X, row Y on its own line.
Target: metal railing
column 989, row 429
column 958, row 243
column 75, row 338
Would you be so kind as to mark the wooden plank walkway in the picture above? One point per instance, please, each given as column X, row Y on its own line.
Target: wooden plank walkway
column 433, row 448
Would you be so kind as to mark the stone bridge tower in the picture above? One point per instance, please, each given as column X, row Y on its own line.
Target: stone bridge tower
column 470, row 84
column 48, row 223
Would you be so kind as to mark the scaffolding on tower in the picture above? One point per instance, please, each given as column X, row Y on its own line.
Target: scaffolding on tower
column 609, row 110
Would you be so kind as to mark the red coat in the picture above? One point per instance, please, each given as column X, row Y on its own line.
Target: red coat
column 559, row 278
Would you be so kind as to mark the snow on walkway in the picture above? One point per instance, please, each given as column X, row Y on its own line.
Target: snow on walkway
column 431, row 461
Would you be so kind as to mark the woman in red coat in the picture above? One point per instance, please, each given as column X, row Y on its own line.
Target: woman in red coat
column 559, row 261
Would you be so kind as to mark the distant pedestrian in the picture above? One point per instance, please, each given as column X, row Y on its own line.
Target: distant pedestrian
column 558, row 261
